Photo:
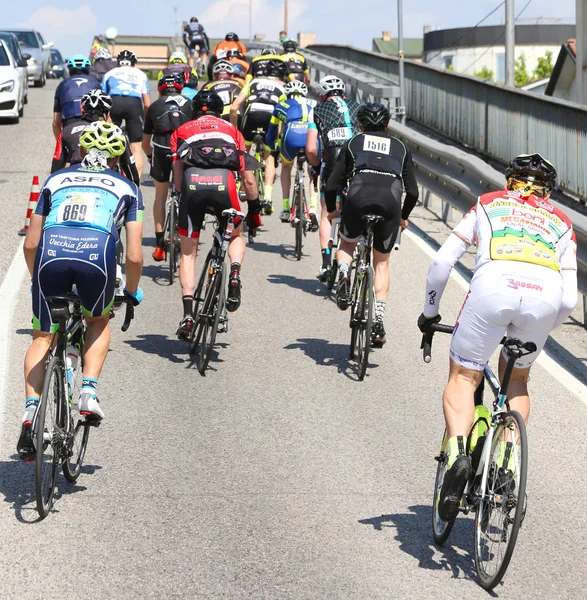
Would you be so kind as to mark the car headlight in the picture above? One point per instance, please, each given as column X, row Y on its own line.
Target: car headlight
column 7, row 86
column 31, row 62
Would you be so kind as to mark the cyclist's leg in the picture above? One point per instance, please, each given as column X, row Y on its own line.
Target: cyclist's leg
column 269, row 173
column 134, row 118
column 160, row 172
column 189, row 224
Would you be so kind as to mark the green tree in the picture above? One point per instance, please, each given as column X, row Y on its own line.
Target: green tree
column 485, row 74
column 544, row 67
column 521, row 72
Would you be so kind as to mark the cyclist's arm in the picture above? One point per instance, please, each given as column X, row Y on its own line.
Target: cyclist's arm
column 146, row 144
column 312, row 146
column 57, row 124
column 148, row 134
column 568, row 267
column 410, row 186
column 33, row 235
column 134, row 241
column 306, row 73
column 273, row 129
column 128, row 166
column 336, row 181
column 58, row 161
column 236, row 105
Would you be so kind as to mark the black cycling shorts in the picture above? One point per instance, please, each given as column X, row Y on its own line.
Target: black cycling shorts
column 130, row 110
column 372, row 194
column 160, row 164
column 205, row 191
column 329, row 157
column 253, row 120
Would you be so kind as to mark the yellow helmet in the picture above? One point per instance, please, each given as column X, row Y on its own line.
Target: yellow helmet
column 104, row 136
column 178, row 57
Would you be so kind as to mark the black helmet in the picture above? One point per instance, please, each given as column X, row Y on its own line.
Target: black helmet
column 267, row 50
column 276, row 68
column 193, row 20
column 234, row 53
column 373, row 116
column 96, row 103
column 126, row 57
column 207, row 103
column 192, row 82
column 172, row 83
column 231, row 37
column 290, row 45
column 532, row 168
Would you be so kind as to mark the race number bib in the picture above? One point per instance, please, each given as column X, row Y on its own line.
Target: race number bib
column 376, row 144
column 338, row 134
column 225, row 97
column 76, row 208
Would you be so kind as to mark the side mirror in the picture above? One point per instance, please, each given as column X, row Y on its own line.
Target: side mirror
column 48, row 46
column 27, row 56
column 21, row 62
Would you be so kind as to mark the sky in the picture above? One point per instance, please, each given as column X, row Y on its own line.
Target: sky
column 348, row 22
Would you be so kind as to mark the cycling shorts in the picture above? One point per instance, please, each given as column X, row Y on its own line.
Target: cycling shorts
column 160, row 164
column 69, row 256
column 198, row 42
column 256, row 119
column 295, row 136
column 372, row 194
column 516, row 299
column 329, row 156
column 205, row 191
column 130, row 110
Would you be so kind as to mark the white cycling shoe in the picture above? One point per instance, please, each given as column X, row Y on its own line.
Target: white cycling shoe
column 89, row 406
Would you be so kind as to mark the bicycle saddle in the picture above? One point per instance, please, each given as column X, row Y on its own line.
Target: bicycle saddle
column 372, row 218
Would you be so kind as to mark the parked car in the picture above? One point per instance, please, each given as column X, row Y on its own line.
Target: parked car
column 59, row 68
column 39, row 65
column 11, row 88
column 21, row 59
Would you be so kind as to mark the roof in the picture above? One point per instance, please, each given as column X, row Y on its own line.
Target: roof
column 568, row 50
column 413, row 47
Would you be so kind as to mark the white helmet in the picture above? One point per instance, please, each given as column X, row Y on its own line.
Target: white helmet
column 102, row 53
column 296, row 87
column 222, row 66
column 331, row 84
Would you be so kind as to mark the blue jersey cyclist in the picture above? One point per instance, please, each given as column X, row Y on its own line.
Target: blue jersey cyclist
column 288, row 129
column 72, row 242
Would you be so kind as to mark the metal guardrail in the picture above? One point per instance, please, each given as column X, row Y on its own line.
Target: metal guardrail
column 498, row 121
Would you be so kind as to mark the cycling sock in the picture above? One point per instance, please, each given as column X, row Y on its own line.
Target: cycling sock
column 268, row 193
column 89, row 385
column 285, row 204
column 343, row 268
column 235, row 269
column 188, row 305
column 455, row 447
column 313, row 200
column 380, row 306
column 158, row 238
column 326, row 258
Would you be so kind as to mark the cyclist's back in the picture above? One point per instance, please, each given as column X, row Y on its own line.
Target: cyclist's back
column 69, row 93
column 103, row 62
column 262, row 94
column 260, row 64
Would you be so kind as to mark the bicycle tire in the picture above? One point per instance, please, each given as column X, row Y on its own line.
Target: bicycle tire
column 299, row 224
column 171, row 248
column 199, row 297
column 366, row 323
column 354, row 297
column 47, row 463
column 497, row 481
column 440, row 529
column 333, row 273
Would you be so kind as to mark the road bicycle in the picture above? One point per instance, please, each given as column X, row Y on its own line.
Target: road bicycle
column 258, row 150
column 333, row 245
column 496, row 490
column 60, row 432
column 210, row 314
column 363, row 296
column 300, row 215
column 170, row 234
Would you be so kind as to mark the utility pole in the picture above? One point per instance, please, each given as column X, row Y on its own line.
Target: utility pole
column 400, row 51
column 285, row 16
column 510, row 44
column 250, row 21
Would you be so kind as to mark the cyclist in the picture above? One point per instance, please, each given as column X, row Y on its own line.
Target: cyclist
column 292, row 114
column 194, row 35
column 96, row 106
column 206, row 152
column 129, row 88
column 178, row 63
column 378, row 168
column 258, row 66
column 335, row 120
column 164, row 116
column 259, row 98
column 224, row 85
column 68, row 95
column 297, row 67
column 230, row 43
column 524, row 285
column 71, row 241
column 103, row 62
column 239, row 64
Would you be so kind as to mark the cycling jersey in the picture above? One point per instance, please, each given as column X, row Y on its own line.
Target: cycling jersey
column 259, row 65
column 101, row 67
column 223, row 48
column 336, row 121
column 164, row 116
column 297, row 68
column 194, row 33
column 227, row 89
column 293, row 114
column 126, row 81
column 69, row 93
column 184, row 70
column 262, row 95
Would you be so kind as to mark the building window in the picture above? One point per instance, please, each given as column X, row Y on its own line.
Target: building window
column 500, row 66
column 448, row 61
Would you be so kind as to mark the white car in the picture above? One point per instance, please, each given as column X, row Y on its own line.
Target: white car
column 11, row 87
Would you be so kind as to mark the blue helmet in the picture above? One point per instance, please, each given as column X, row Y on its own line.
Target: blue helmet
column 79, row 62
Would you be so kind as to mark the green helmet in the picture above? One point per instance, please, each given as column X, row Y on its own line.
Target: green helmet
column 104, row 136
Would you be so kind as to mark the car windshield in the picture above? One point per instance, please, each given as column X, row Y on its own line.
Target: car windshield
column 4, row 62
column 27, row 38
column 56, row 55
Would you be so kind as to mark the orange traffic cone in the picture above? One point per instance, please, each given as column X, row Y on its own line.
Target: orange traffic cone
column 33, row 198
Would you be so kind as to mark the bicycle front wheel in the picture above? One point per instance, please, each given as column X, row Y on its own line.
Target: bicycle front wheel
column 502, row 506
column 440, row 529
column 365, row 322
column 299, row 212
column 171, row 248
column 48, row 435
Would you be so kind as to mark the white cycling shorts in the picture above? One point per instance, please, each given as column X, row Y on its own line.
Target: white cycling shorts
column 516, row 299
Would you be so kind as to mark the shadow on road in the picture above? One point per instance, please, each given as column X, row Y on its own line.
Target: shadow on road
column 214, row 358
column 270, row 248
column 17, row 486
column 159, row 274
column 172, row 349
column 413, row 532
column 310, row 286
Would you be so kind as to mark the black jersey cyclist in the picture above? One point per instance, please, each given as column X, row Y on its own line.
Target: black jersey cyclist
column 164, row 116
column 297, row 67
column 378, row 168
column 196, row 38
column 224, row 85
column 103, row 62
column 259, row 64
column 332, row 122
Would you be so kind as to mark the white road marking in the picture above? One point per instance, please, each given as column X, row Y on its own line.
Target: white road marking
column 552, row 367
column 8, row 295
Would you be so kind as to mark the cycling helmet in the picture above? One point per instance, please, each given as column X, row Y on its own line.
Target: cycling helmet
column 276, row 68
column 267, row 50
column 331, row 85
column 171, row 83
column 192, row 81
column 103, row 136
column 536, row 171
column 290, row 46
column 234, row 53
column 373, row 116
column 102, row 54
column 207, row 103
column 193, row 20
column 296, row 88
column 231, row 37
column 96, row 101
column 222, row 67
column 127, row 59
column 178, row 57
column 79, row 62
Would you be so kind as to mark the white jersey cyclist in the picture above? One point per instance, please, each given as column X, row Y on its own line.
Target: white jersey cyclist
column 126, row 81
column 525, row 278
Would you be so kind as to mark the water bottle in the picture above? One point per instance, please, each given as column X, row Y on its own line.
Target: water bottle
column 71, row 362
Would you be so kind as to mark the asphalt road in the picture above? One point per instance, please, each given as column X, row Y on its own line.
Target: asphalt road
column 278, row 474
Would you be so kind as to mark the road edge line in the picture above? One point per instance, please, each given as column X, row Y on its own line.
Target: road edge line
column 549, row 364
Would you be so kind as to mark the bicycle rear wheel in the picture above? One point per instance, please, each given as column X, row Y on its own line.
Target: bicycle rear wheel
column 440, row 529
column 502, row 508
column 171, row 234
column 48, row 435
column 365, row 322
column 299, row 225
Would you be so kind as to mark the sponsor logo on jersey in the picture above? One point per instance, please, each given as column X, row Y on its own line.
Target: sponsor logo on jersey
column 88, row 179
column 517, row 284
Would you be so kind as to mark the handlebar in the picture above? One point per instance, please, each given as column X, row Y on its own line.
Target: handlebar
column 427, row 336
